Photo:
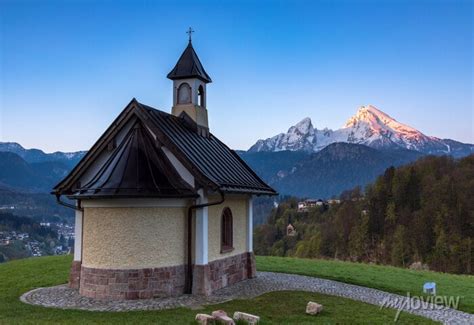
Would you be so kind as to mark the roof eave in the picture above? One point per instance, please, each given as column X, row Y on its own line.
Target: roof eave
column 231, row 190
column 126, row 196
column 204, row 79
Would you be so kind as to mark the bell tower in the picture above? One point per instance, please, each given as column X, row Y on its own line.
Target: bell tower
column 189, row 87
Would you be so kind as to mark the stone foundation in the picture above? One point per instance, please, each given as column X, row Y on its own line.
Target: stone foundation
column 221, row 273
column 150, row 283
column 132, row 283
column 251, row 266
column 75, row 274
column 201, row 280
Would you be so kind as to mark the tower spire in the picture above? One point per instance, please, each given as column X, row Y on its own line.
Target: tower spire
column 190, row 32
column 189, row 88
column 188, row 65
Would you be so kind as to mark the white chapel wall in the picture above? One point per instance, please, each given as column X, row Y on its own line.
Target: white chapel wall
column 238, row 206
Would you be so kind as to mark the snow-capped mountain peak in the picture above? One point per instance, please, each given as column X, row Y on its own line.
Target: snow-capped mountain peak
column 300, row 136
column 375, row 128
column 369, row 114
column 378, row 120
column 303, row 127
column 369, row 126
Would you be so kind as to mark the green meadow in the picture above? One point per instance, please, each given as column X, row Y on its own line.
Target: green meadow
column 284, row 307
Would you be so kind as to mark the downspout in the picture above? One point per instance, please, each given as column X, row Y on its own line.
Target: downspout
column 77, row 207
column 189, row 274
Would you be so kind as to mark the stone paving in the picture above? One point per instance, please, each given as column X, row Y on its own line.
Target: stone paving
column 66, row 298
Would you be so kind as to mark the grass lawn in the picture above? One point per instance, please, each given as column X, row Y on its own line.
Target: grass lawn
column 386, row 278
column 286, row 307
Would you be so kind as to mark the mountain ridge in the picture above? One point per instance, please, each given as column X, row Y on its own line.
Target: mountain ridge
column 39, row 156
column 369, row 126
column 17, row 174
column 327, row 173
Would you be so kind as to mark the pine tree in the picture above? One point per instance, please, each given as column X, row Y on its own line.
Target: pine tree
column 441, row 251
column 400, row 251
column 359, row 238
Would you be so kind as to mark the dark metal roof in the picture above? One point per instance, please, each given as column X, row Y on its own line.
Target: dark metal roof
column 213, row 159
column 189, row 66
column 136, row 168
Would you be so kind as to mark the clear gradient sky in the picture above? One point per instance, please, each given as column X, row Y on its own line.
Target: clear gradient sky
column 67, row 68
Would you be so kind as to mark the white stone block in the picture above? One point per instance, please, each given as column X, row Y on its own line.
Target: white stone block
column 313, row 308
column 222, row 317
column 249, row 318
column 204, row 319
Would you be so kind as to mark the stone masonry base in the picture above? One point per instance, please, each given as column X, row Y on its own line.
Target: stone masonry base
column 75, row 274
column 221, row 273
column 149, row 283
column 132, row 283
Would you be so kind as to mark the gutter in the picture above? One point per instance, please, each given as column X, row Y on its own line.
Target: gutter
column 188, row 286
column 68, row 205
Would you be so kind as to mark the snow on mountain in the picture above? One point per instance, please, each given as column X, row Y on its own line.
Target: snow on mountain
column 374, row 128
column 299, row 137
column 369, row 126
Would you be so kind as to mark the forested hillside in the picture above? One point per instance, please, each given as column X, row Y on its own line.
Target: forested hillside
column 324, row 174
column 418, row 215
column 25, row 186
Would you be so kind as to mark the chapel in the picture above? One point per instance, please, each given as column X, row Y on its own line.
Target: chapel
column 162, row 206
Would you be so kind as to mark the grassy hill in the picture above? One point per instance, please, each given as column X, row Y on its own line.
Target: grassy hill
column 385, row 278
column 274, row 308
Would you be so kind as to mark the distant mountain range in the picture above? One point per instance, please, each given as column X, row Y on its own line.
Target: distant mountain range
column 305, row 161
column 28, row 175
column 16, row 174
column 369, row 126
column 38, row 156
column 338, row 167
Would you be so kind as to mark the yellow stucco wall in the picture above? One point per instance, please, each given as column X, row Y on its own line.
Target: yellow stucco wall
column 133, row 237
column 238, row 206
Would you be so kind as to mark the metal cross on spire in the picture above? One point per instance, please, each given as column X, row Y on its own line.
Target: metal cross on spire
column 189, row 32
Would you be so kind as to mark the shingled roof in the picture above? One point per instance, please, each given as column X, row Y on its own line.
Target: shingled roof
column 213, row 165
column 189, row 66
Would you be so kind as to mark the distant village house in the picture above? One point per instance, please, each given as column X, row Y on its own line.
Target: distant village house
column 290, row 230
column 305, row 205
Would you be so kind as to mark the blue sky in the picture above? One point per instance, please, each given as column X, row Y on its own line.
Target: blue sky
column 67, row 68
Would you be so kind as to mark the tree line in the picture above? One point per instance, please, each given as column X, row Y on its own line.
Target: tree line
column 419, row 215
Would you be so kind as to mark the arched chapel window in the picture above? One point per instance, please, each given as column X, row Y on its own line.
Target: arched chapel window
column 184, row 94
column 227, row 231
